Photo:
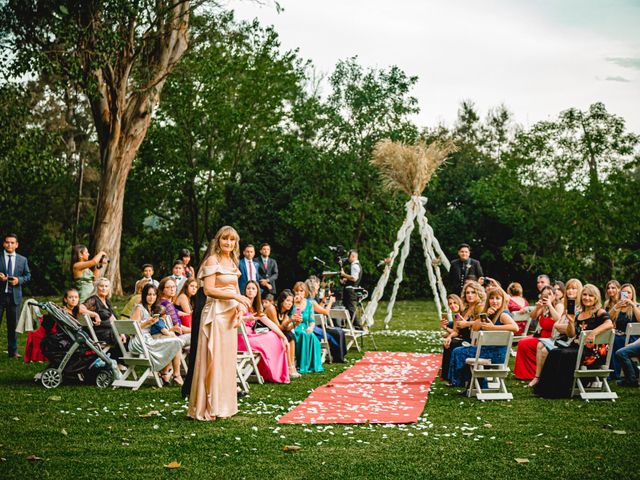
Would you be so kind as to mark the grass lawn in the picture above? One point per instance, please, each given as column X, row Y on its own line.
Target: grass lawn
column 82, row 432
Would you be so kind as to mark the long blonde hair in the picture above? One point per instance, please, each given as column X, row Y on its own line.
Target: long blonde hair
column 609, row 301
column 591, row 290
column 613, row 311
column 214, row 246
column 482, row 297
column 571, row 283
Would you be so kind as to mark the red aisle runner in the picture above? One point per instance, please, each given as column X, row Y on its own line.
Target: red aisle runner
column 382, row 387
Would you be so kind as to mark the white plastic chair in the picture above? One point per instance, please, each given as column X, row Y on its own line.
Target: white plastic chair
column 319, row 320
column 133, row 360
column 483, row 368
column 598, row 390
column 351, row 334
column 247, row 362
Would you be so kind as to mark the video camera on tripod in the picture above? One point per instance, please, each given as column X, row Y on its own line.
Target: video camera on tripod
column 339, row 254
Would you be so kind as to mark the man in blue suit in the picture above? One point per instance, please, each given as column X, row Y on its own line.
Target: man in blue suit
column 14, row 272
column 248, row 267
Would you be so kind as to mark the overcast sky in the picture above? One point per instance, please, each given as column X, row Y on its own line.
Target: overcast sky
column 538, row 57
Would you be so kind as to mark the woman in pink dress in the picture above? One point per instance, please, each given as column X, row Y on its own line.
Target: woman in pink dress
column 213, row 391
column 266, row 338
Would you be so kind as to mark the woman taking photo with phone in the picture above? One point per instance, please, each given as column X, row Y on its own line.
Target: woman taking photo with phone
column 624, row 312
column 495, row 317
column 308, row 348
column 86, row 270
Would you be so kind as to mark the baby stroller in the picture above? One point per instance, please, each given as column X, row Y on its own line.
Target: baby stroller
column 73, row 354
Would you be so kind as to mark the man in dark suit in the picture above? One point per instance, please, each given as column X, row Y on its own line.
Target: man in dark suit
column 248, row 267
column 462, row 269
column 14, row 272
column 267, row 271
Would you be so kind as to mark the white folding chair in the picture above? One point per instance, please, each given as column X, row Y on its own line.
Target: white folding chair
column 598, row 390
column 633, row 330
column 351, row 334
column 133, row 360
column 484, row 368
column 92, row 333
column 319, row 320
column 522, row 316
column 247, row 362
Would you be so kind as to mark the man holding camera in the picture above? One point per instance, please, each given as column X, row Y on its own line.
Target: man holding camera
column 350, row 281
column 14, row 271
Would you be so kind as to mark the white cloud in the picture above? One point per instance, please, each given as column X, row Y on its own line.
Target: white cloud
column 492, row 52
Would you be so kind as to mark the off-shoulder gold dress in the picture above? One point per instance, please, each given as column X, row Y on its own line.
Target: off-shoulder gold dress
column 213, row 390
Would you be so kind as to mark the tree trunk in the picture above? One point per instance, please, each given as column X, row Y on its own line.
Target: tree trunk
column 107, row 228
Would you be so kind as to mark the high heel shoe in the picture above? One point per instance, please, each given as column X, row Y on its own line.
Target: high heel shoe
column 166, row 378
column 178, row 379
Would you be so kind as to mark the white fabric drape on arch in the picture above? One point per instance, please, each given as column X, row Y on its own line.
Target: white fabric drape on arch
column 433, row 256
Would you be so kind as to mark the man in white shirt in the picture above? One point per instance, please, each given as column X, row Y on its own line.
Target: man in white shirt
column 350, row 281
column 14, row 272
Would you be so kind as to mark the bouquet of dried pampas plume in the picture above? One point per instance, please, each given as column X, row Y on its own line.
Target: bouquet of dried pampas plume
column 409, row 167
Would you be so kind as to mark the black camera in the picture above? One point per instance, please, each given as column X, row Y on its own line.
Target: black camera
column 103, row 260
column 339, row 254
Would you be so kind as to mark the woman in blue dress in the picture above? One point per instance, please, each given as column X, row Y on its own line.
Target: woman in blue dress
column 497, row 318
column 308, row 349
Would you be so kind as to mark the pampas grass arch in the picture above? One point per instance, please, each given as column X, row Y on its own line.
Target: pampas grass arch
column 409, row 168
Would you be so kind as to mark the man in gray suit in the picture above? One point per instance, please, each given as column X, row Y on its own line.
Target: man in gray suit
column 14, row 272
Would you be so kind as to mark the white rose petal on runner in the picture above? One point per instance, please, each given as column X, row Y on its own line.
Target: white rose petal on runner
column 409, row 168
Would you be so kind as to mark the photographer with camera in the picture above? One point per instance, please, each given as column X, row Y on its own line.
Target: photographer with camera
column 350, row 281
column 86, row 271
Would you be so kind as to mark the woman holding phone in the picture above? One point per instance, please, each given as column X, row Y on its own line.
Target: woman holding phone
column 286, row 322
column 164, row 352
column 308, row 348
column 496, row 316
column 624, row 312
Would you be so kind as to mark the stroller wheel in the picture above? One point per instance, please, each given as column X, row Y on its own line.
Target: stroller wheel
column 104, row 378
column 51, row 378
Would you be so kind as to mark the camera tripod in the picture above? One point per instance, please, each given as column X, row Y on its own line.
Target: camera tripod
column 365, row 328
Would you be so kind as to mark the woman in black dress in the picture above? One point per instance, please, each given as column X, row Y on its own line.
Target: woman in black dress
column 556, row 378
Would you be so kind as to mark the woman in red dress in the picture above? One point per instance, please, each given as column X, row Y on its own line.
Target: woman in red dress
column 548, row 309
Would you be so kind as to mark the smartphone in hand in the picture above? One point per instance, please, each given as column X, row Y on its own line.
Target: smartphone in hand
column 571, row 306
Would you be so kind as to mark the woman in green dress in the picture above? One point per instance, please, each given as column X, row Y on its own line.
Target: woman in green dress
column 308, row 348
column 86, row 271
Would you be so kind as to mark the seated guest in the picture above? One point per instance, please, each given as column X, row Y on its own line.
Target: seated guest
column 473, row 302
column 516, row 303
column 454, row 302
column 497, row 317
column 266, row 338
column 559, row 331
column 185, row 256
column 556, row 378
column 281, row 315
column 308, row 348
column 548, row 309
column 177, row 273
column 622, row 313
column 185, row 300
column 100, row 303
column 625, row 355
column 560, row 288
column 167, row 291
column 71, row 305
column 611, row 294
column 165, row 350
column 135, row 298
column 85, row 270
column 147, row 276
column 335, row 336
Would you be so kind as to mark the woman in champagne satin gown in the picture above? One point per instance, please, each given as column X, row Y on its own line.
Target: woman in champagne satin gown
column 213, row 389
